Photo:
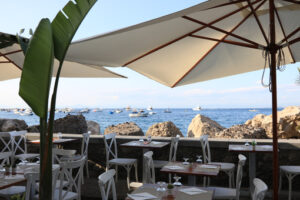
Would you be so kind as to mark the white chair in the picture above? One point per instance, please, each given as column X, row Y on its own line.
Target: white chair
column 13, row 190
column 232, row 193
column 19, row 144
column 290, row 172
column 71, row 171
column 148, row 170
column 33, row 176
column 111, row 150
column 107, row 184
column 172, row 154
column 228, row 168
column 6, row 142
column 62, row 155
column 260, row 189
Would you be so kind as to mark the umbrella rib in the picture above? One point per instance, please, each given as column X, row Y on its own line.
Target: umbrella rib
column 12, row 62
column 186, row 35
column 227, row 4
column 4, row 62
column 289, row 35
column 291, row 42
column 213, row 47
column 221, row 30
column 258, row 22
column 8, row 53
column 282, row 29
column 228, row 42
column 292, row 1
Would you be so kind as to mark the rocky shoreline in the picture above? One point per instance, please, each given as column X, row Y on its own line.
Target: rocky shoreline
column 259, row 127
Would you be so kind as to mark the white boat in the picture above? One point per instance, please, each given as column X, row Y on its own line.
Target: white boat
column 150, row 108
column 97, row 110
column 86, row 110
column 26, row 112
column 118, row 111
column 128, row 108
column 253, row 110
column 197, row 108
column 138, row 114
column 152, row 113
column 167, row 111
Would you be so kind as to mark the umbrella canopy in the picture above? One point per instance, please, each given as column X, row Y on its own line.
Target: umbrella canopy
column 12, row 58
column 213, row 39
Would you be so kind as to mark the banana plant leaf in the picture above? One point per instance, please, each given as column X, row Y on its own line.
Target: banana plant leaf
column 37, row 70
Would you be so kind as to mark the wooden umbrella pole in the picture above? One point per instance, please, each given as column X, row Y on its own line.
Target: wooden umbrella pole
column 273, row 49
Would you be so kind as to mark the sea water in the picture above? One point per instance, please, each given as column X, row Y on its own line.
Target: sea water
column 181, row 117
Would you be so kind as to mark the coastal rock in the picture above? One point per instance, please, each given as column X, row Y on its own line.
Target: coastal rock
column 12, row 125
column 94, row 127
column 70, row 124
column 127, row 128
column 164, row 129
column 288, row 120
column 242, row 131
column 202, row 125
column 33, row 129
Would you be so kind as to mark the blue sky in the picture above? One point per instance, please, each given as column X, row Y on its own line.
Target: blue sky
column 237, row 91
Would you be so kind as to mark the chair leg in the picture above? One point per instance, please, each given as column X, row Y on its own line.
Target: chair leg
column 290, row 178
column 136, row 172
column 128, row 176
column 280, row 181
column 117, row 177
column 87, row 169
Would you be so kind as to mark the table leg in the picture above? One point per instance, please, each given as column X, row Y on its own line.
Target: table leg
column 252, row 170
column 191, row 180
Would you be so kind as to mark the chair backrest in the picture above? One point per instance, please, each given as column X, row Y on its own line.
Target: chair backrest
column 19, row 144
column 260, row 189
column 57, row 154
column 110, row 146
column 149, row 169
column 32, row 176
column 85, row 143
column 107, row 183
column 173, row 148
column 4, row 158
column 239, row 174
column 71, row 171
column 205, row 148
column 6, row 142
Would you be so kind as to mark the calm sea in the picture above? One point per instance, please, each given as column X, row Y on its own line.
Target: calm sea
column 180, row 117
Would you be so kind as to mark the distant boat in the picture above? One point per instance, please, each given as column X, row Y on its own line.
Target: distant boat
column 167, row 111
column 118, row 111
column 138, row 114
column 128, row 108
column 253, row 110
column 150, row 108
column 197, row 108
column 97, row 110
column 86, row 110
column 152, row 113
column 111, row 112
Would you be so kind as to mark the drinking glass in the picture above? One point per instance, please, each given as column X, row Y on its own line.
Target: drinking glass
column 199, row 159
column 177, row 183
column 186, row 161
column 161, row 187
column 59, row 135
column 149, row 139
column 2, row 173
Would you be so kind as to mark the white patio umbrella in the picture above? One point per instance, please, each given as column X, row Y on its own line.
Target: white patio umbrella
column 213, row 39
column 12, row 58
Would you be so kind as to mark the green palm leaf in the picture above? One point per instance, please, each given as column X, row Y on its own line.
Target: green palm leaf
column 37, row 69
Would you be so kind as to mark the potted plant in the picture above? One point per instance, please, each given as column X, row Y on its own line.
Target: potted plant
column 253, row 143
column 170, row 189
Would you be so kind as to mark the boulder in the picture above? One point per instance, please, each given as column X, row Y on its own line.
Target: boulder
column 288, row 120
column 127, row 128
column 242, row 131
column 164, row 129
column 202, row 125
column 70, row 124
column 12, row 125
column 93, row 127
column 33, row 129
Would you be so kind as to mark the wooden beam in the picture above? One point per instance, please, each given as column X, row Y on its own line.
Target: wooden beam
column 213, row 47
column 241, row 44
column 187, row 34
column 284, row 35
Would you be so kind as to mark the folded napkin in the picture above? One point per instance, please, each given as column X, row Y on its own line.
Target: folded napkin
column 155, row 142
column 192, row 191
column 173, row 167
column 141, row 196
column 209, row 166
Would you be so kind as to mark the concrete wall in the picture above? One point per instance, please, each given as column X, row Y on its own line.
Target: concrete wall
column 190, row 147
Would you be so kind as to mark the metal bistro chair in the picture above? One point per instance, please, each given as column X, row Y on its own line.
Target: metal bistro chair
column 71, row 171
column 260, row 189
column 232, row 193
column 111, row 150
column 290, row 172
column 148, row 170
column 106, row 184
column 228, row 168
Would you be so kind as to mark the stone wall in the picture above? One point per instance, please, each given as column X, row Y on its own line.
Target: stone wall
column 190, row 147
